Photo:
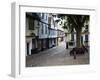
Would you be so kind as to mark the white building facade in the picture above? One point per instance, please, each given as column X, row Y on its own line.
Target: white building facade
column 41, row 32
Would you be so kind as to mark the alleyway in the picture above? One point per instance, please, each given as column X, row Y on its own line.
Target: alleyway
column 56, row 56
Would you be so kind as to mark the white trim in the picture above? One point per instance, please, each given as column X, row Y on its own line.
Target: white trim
column 15, row 67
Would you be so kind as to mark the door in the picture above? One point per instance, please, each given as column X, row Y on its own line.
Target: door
column 81, row 39
column 27, row 48
column 33, row 44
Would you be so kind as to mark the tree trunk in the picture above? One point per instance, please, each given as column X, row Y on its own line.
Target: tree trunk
column 78, row 36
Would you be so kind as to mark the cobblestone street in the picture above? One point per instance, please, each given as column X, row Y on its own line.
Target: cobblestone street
column 56, row 56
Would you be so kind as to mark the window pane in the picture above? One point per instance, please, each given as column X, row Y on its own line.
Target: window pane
column 31, row 24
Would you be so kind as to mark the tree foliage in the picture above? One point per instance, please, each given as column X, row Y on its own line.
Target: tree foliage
column 74, row 21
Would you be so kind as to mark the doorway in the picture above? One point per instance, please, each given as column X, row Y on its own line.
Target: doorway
column 27, row 48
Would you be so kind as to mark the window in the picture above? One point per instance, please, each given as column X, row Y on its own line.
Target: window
column 42, row 30
column 86, row 26
column 46, row 29
column 42, row 15
column 86, row 37
column 46, row 17
column 72, row 37
column 31, row 24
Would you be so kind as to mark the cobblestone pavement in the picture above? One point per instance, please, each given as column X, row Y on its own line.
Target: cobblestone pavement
column 56, row 56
